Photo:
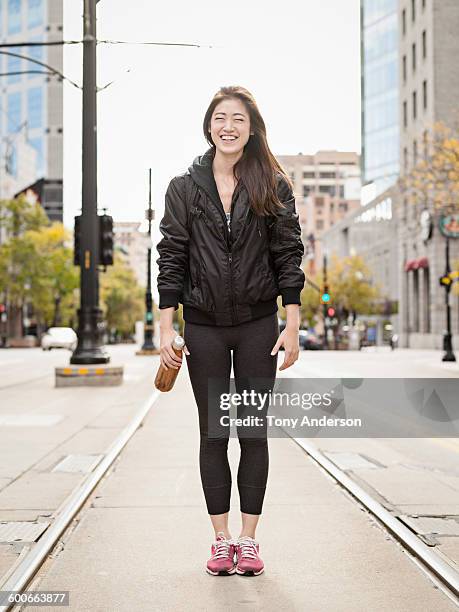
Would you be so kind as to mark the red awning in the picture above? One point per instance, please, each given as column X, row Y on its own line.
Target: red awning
column 416, row 264
column 423, row 262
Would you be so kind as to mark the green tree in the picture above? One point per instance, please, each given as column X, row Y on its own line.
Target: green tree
column 17, row 217
column 351, row 285
column 122, row 298
column 55, row 278
column 310, row 301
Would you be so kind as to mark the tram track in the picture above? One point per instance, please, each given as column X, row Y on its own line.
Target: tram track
column 23, row 573
column 441, row 573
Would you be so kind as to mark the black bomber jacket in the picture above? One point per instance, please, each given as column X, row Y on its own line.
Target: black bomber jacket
column 222, row 276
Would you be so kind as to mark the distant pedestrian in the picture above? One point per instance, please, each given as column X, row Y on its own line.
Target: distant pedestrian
column 231, row 244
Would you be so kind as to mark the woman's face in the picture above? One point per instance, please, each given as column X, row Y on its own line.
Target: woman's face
column 230, row 126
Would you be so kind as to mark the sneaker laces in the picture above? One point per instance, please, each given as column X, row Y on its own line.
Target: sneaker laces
column 247, row 546
column 221, row 546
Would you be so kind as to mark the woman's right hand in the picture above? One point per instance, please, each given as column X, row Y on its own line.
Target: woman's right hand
column 168, row 357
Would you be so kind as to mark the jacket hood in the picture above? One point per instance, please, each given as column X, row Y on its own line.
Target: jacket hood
column 203, row 175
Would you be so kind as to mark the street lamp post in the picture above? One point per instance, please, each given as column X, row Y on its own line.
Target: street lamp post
column 148, row 344
column 447, row 337
column 90, row 348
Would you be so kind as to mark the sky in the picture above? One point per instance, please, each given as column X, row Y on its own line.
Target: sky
column 299, row 58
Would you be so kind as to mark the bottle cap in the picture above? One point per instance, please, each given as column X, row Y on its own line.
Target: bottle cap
column 178, row 342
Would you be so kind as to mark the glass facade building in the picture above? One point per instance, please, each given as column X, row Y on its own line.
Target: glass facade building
column 380, row 93
column 23, row 94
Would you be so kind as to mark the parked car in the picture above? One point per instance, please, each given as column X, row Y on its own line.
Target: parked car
column 59, row 337
column 308, row 341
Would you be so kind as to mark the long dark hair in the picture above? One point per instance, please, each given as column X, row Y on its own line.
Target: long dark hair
column 257, row 166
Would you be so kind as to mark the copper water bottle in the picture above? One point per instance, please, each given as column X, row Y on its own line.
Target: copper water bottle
column 165, row 379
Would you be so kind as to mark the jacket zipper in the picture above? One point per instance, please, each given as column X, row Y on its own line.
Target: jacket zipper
column 230, row 259
column 233, row 309
column 228, row 248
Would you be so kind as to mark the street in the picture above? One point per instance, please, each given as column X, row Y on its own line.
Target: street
column 146, row 519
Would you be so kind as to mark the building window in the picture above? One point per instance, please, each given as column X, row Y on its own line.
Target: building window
column 326, row 175
column 413, row 56
column 413, row 10
column 14, row 16
column 35, row 107
column 424, row 44
column 35, row 13
column 424, row 94
column 308, row 175
column 415, row 105
column 415, row 152
column 423, row 4
column 11, row 160
column 405, row 158
column 404, row 68
column 327, row 189
column 14, row 112
column 14, row 65
column 343, row 206
column 37, row 54
column 405, row 114
column 425, row 141
column 37, row 144
column 306, row 190
column 341, row 191
column 320, row 224
column 404, row 22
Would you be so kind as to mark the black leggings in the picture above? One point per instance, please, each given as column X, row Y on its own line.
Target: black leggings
column 210, row 357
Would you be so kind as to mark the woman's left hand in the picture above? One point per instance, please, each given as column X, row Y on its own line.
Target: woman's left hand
column 288, row 338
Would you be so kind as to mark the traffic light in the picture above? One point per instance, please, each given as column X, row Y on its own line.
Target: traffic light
column 325, row 296
column 445, row 280
column 330, row 312
column 77, row 241
column 106, row 240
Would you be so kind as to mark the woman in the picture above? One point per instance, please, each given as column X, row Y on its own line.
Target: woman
column 231, row 244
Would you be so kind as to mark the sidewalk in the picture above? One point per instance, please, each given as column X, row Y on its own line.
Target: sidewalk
column 143, row 541
column 41, row 427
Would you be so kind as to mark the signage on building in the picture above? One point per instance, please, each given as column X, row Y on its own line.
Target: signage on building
column 426, row 222
column 449, row 225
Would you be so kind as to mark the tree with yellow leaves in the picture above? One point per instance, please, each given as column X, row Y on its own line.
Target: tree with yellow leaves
column 433, row 180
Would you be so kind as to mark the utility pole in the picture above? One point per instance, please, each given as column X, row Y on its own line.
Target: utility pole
column 90, row 348
column 148, row 344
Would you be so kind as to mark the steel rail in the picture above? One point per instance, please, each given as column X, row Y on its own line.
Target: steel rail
column 445, row 573
column 24, row 572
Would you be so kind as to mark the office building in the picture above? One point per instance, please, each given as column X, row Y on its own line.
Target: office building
column 429, row 93
column 133, row 246
column 327, row 188
column 31, row 101
column 380, row 93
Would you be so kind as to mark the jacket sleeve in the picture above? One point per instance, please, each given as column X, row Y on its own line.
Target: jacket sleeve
column 286, row 246
column 173, row 247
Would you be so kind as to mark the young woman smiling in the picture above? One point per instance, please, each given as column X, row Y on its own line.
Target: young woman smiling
column 231, row 244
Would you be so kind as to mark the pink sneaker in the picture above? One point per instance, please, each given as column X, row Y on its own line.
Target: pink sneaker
column 248, row 560
column 221, row 562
